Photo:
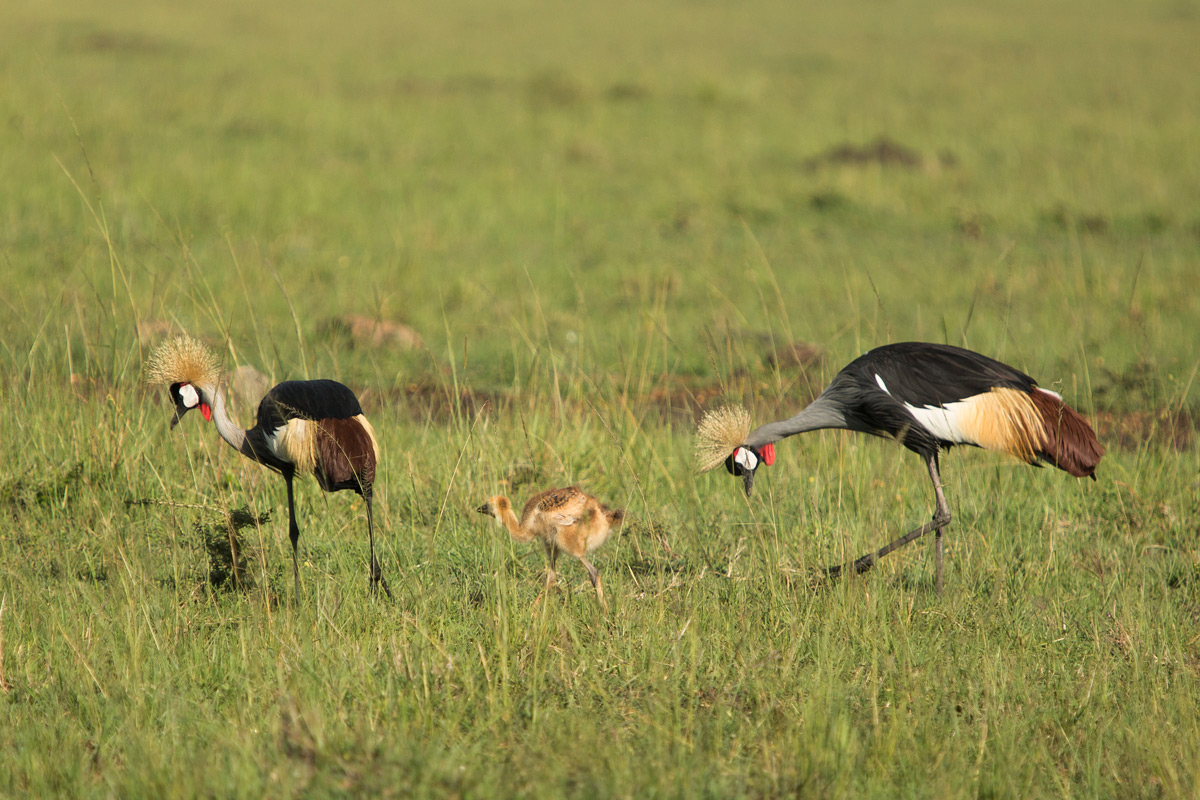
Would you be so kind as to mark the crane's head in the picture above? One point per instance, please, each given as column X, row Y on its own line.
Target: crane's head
column 721, row 438
column 744, row 460
column 190, row 369
column 495, row 506
column 187, row 397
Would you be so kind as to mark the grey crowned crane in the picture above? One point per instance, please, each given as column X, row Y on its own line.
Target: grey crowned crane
column 928, row 397
column 302, row 426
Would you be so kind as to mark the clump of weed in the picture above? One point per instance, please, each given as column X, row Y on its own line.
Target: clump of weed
column 659, row 533
column 524, row 473
column 1187, row 576
column 24, row 493
column 228, row 559
column 554, row 89
column 628, row 90
column 1064, row 218
column 829, row 200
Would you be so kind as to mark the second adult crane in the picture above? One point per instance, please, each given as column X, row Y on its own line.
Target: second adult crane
column 929, row 397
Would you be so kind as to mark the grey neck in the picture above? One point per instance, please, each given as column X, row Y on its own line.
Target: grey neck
column 820, row 414
column 230, row 431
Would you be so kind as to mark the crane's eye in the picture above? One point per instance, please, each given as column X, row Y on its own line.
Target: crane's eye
column 188, row 395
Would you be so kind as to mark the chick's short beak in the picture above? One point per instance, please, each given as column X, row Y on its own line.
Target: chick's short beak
column 484, row 509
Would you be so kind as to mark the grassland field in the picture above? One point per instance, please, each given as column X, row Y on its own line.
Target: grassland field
column 599, row 219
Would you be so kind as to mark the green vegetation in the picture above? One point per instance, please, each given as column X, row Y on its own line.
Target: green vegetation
column 598, row 219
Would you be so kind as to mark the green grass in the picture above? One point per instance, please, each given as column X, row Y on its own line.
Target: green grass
column 598, row 220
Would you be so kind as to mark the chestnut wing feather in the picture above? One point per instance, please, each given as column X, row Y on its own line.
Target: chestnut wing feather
column 345, row 455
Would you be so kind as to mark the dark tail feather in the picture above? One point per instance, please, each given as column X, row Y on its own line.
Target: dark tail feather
column 1070, row 443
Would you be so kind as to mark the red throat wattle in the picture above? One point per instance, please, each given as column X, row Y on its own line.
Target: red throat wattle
column 206, row 410
column 768, row 454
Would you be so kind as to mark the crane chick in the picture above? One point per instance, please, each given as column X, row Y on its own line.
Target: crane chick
column 566, row 519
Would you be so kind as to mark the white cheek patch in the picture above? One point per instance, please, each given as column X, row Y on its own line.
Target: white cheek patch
column 745, row 458
column 189, row 396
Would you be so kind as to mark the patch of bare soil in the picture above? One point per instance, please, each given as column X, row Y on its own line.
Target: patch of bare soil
column 795, row 354
column 882, row 151
column 358, row 329
column 1128, row 430
column 680, row 399
column 150, row 331
column 125, row 43
column 439, row 403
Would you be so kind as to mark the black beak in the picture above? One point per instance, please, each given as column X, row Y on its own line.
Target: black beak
column 484, row 509
column 178, row 416
column 747, row 475
column 748, row 480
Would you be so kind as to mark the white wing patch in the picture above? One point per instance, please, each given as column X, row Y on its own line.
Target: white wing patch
column 943, row 422
column 1055, row 395
column 1002, row 419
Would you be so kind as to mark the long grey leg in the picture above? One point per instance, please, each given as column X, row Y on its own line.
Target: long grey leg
column 941, row 518
column 942, row 514
column 293, row 528
column 377, row 578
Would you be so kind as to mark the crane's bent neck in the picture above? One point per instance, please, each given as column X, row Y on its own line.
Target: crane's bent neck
column 508, row 519
column 230, row 431
column 820, row 414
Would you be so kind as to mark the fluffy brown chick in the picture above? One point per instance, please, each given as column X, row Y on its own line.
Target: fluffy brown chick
column 567, row 519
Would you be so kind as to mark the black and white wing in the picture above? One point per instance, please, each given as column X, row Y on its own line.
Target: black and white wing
column 924, row 375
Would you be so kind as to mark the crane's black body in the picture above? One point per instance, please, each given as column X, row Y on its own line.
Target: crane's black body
column 931, row 397
column 311, row 400
column 919, row 375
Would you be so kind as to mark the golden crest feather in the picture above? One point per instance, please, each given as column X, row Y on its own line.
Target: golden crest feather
column 720, row 433
column 182, row 359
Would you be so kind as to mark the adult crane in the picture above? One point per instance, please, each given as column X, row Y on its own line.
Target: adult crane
column 302, row 427
column 928, row 397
